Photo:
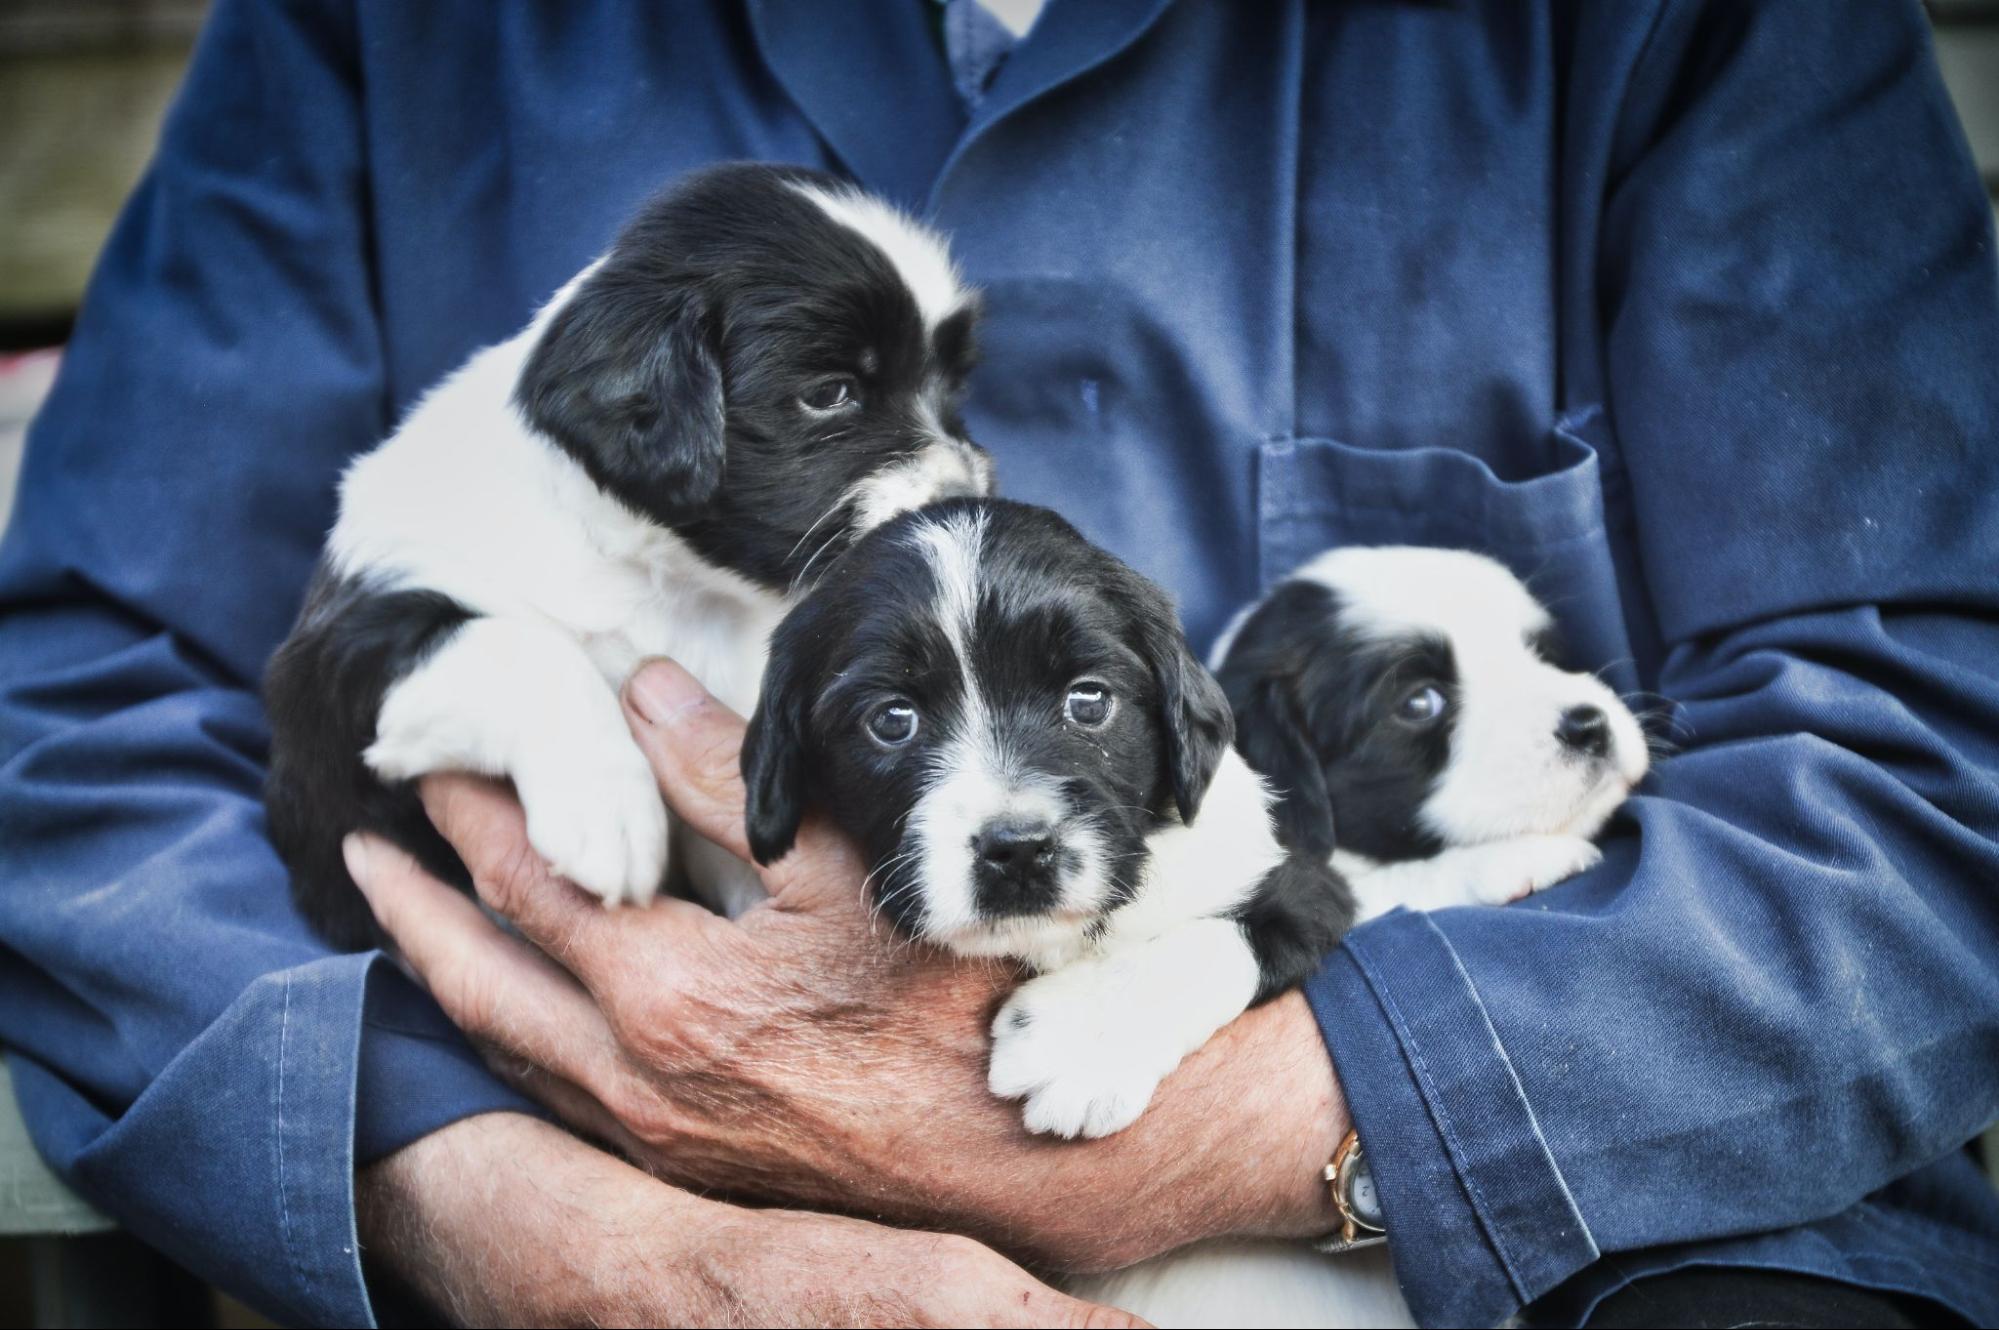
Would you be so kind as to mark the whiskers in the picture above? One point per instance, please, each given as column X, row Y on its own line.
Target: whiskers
column 898, row 887
column 798, row 579
column 1665, row 726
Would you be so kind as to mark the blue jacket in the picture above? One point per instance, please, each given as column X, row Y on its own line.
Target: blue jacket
column 1687, row 311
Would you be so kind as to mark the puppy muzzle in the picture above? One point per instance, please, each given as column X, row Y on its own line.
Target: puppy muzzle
column 1017, row 868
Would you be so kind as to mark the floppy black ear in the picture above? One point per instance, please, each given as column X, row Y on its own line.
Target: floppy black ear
column 1195, row 714
column 1263, row 675
column 628, row 381
column 774, row 766
column 1271, row 733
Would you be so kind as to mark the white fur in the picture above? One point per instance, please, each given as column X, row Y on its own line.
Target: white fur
column 515, row 697
column 914, row 249
column 1513, row 806
column 1113, row 1013
column 941, row 470
column 1087, row 1044
column 577, row 590
column 1490, row 874
column 465, row 499
column 976, row 782
column 1122, row 998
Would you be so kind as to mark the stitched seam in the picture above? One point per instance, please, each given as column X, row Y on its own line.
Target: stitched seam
column 284, row 1186
column 1533, row 1122
column 1432, row 1101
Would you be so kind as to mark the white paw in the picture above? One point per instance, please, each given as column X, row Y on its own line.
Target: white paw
column 601, row 825
column 1521, row 867
column 1084, row 1066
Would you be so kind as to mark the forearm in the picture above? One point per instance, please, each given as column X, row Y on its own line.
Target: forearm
column 1239, row 1135
column 503, row 1219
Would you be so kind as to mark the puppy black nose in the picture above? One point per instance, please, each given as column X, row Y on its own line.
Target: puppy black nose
column 1585, row 729
column 1012, row 849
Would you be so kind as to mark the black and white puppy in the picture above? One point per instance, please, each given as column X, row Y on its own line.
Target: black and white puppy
column 766, row 364
column 1010, row 723
column 1406, row 705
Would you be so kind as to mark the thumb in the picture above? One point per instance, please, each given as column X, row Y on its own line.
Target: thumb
column 694, row 744
column 1059, row 1309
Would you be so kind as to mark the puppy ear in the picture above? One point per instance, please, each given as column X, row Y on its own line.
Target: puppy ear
column 1262, row 676
column 1199, row 730
column 774, row 766
column 629, row 383
column 1194, row 712
column 1270, row 731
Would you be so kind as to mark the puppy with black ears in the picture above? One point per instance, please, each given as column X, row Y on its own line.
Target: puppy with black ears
column 1406, row 705
column 766, row 364
column 1010, row 723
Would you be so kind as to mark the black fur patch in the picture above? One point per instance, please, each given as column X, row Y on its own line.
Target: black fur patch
column 1298, row 914
column 1051, row 609
column 675, row 374
column 1317, row 714
column 323, row 691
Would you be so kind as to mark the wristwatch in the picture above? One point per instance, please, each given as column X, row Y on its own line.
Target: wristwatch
column 1361, row 1222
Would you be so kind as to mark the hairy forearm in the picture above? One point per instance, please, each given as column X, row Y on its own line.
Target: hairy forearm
column 502, row 1218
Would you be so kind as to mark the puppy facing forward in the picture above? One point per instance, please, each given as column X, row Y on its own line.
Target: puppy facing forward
column 766, row 364
column 1405, row 704
column 1010, row 723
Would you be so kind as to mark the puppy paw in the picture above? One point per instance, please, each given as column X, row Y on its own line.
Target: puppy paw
column 1080, row 1070
column 604, row 827
column 1532, row 863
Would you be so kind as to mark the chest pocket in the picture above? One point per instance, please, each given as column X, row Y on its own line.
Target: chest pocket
column 1566, row 532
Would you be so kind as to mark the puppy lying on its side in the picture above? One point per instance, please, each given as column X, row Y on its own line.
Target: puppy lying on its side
column 1405, row 704
column 766, row 364
column 1010, row 723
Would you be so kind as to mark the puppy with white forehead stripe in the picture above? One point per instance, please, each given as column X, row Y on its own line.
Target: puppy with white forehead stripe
column 765, row 364
column 1406, row 704
column 1010, row 723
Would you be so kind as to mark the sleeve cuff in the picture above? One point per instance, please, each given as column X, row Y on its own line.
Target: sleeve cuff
column 415, row 1073
column 238, row 1159
column 1479, row 1217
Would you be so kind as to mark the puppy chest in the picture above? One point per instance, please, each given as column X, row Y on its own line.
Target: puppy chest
column 722, row 646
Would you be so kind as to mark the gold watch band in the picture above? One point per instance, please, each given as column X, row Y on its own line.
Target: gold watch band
column 1355, row 1231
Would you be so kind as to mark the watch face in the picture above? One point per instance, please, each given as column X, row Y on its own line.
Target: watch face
column 1360, row 1194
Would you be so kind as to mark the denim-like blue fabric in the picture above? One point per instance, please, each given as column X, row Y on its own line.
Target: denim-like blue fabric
column 975, row 45
column 1686, row 311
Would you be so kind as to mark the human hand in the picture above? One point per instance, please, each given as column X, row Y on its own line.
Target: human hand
column 502, row 1219
column 804, row 1053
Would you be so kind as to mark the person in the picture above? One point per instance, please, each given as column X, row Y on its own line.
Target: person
column 1687, row 310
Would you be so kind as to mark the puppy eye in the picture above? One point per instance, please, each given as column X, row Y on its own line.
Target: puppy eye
column 893, row 724
column 832, row 395
column 1088, row 704
column 1422, row 706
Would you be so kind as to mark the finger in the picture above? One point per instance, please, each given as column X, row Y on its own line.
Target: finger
column 496, row 988
column 982, row 1287
column 577, row 1108
column 695, row 746
column 1044, row 1306
column 695, row 743
column 485, row 825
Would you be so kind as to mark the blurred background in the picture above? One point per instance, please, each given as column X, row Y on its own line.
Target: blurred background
column 84, row 85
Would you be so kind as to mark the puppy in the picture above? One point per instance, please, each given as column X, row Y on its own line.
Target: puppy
column 1407, row 706
column 1009, row 722
column 765, row 365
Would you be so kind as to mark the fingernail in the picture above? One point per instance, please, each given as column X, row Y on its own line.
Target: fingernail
column 354, row 849
column 662, row 692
